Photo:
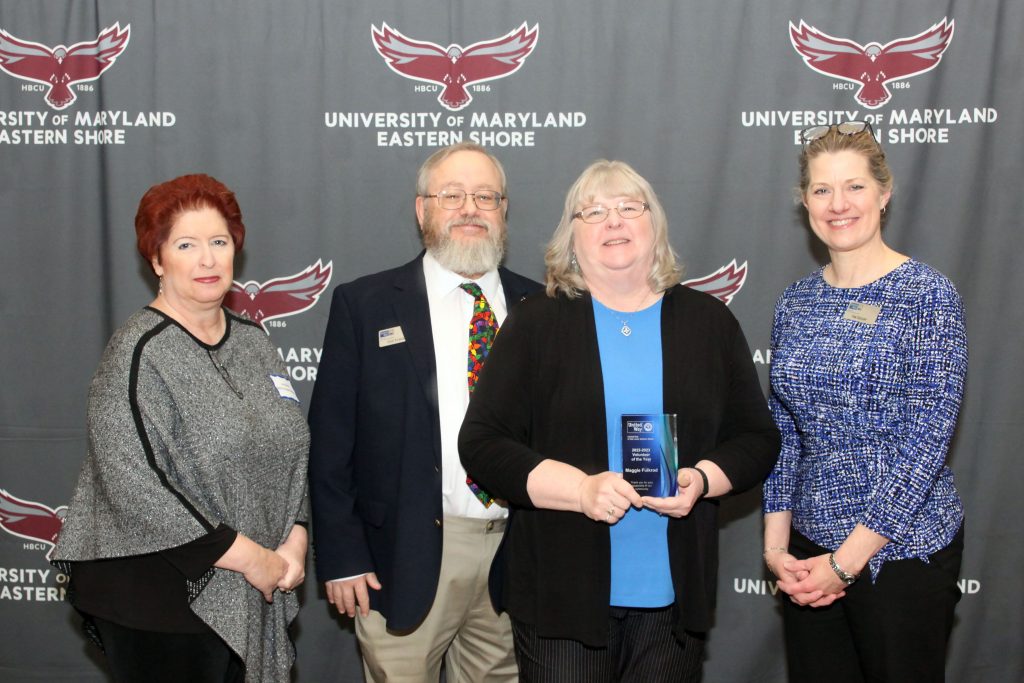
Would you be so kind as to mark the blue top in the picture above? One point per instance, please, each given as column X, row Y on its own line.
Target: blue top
column 866, row 410
column 632, row 373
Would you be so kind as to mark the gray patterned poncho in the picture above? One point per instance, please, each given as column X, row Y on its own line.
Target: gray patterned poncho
column 183, row 437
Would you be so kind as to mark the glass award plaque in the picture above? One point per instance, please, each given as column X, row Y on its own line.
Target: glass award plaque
column 650, row 454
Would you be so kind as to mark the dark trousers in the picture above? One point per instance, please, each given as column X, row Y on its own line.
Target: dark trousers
column 137, row 656
column 641, row 649
column 894, row 630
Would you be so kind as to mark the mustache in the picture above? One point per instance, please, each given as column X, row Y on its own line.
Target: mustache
column 468, row 220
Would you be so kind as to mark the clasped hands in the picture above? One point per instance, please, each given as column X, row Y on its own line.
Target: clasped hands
column 606, row 497
column 807, row 582
column 281, row 569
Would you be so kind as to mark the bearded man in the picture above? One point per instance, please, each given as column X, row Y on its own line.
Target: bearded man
column 403, row 540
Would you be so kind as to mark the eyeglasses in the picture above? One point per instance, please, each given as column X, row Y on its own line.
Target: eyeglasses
column 597, row 213
column 809, row 135
column 223, row 372
column 485, row 200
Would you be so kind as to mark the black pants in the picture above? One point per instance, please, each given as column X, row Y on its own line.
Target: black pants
column 137, row 656
column 641, row 649
column 894, row 630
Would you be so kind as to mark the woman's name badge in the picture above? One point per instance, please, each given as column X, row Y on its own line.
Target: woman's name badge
column 284, row 387
column 862, row 313
column 650, row 453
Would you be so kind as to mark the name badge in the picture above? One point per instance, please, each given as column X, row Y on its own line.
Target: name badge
column 862, row 313
column 390, row 336
column 284, row 387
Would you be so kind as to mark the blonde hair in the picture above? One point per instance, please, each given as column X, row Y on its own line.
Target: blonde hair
column 609, row 178
column 832, row 142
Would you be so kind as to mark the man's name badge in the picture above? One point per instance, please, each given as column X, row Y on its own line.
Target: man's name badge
column 862, row 313
column 650, row 453
column 390, row 336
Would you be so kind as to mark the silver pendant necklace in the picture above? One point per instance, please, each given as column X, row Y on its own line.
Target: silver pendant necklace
column 626, row 330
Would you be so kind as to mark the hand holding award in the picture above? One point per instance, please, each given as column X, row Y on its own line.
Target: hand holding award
column 690, row 490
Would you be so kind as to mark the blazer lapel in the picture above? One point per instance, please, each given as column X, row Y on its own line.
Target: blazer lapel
column 514, row 288
column 409, row 300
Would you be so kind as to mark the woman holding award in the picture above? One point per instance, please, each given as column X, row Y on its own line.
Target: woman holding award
column 603, row 583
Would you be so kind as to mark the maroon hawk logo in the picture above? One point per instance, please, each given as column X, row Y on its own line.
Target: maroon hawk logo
column 62, row 67
column 30, row 520
column 724, row 283
column 281, row 296
column 871, row 65
column 454, row 67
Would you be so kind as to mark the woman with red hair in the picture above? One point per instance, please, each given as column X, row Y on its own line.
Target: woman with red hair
column 186, row 533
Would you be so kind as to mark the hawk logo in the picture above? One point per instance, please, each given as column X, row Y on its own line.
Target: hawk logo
column 871, row 65
column 724, row 283
column 454, row 67
column 30, row 520
column 281, row 296
column 62, row 67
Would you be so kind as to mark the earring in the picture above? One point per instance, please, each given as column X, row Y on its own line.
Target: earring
column 160, row 288
column 573, row 263
column 883, row 210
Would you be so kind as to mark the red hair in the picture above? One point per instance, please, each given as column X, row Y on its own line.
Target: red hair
column 162, row 204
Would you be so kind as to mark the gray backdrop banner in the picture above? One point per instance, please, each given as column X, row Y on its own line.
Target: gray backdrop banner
column 296, row 106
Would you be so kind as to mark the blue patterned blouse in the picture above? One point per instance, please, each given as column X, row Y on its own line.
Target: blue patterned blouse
column 866, row 410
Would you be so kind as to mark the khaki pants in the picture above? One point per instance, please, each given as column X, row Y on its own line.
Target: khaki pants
column 461, row 626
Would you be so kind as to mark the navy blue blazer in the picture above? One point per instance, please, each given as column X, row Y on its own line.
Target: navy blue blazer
column 375, row 456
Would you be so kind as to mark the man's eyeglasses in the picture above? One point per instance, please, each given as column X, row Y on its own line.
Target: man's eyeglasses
column 809, row 135
column 598, row 213
column 485, row 200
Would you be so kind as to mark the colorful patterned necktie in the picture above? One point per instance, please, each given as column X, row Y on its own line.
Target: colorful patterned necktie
column 483, row 327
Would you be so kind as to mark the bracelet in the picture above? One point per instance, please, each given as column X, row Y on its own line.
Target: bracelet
column 704, row 480
column 844, row 576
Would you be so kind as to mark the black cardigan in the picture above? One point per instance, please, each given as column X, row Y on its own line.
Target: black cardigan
column 541, row 396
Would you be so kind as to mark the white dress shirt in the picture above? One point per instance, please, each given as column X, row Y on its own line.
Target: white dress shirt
column 451, row 309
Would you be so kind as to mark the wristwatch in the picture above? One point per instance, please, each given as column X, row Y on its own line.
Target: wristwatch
column 844, row 576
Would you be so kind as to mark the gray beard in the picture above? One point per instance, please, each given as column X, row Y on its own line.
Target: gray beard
column 466, row 257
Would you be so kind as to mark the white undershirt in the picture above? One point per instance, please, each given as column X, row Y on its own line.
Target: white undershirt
column 451, row 309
